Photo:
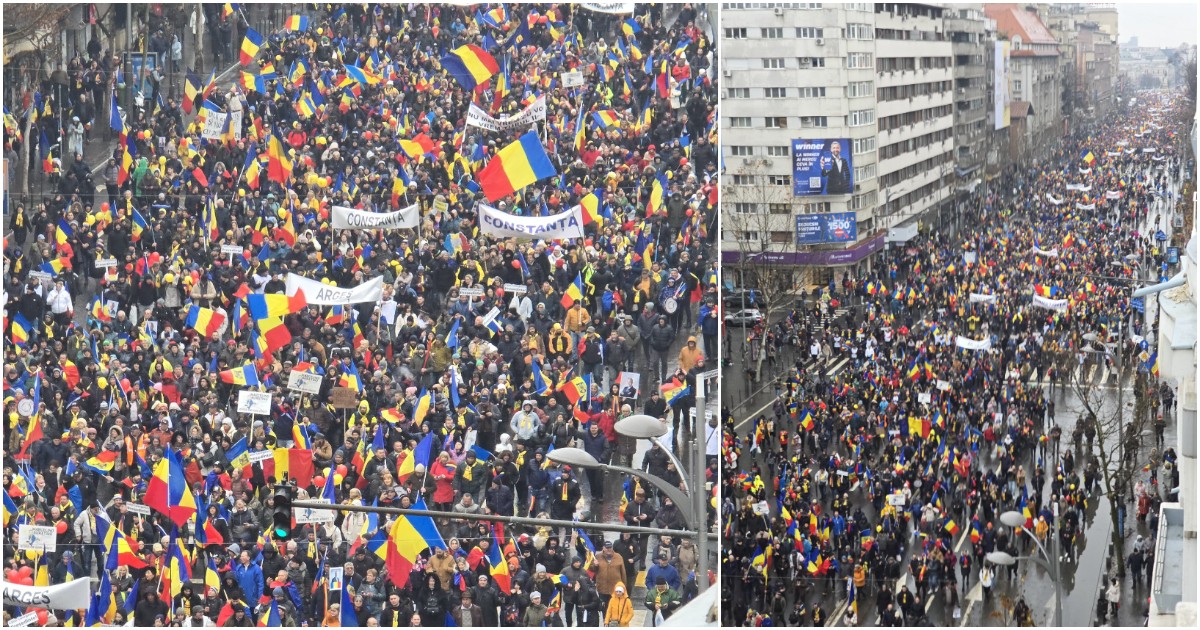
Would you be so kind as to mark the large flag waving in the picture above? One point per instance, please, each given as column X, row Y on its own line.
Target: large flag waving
column 168, row 491
column 470, row 65
column 515, row 167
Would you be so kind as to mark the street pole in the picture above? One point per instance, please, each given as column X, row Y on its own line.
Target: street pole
column 699, row 492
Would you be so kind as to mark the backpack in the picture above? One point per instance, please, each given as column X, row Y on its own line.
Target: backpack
column 510, row 615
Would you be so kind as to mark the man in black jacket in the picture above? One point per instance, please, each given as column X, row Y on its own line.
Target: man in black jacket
column 836, row 171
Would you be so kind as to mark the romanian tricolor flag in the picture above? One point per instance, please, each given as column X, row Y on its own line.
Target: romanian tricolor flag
column 191, row 89
column 56, row 266
column 168, row 490
column 605, row 118
column 63, row 232
column 274, row 333
column 574, row 389
column 244, row 376
column 591, row 209
column 102, row 462
column 470, row 65
column 806, row 420
column 1088, row 157
column 250, row 46
column 296, row 23
column 515, row 167
column 21, row 329
column 657, row 195
column 674, row 391
column 952, row 527
column 418, row 146
column 139, row 225
column 574, row 292
column 204, row 321
column 264, row 305
column 296, row 463
column 279, row 163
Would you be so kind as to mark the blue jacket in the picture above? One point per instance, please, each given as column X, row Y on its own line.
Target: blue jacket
column 250, row 578
column 669, row 572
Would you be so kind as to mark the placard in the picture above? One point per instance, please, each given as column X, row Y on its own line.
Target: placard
column 37, row 538
column 306, row 382
column 43, row 276
column 344, row 398
column 896, row 500
column 23, row 621
column 761, row 508
column 924, row 398
column 138, row 508
column 471, row 291
column 254, row 403
column 943, row 385
column 572, row 79
column 234, row 250
column 105, row 263
column 312, row 515
column 336, row 577
column 440, row 204
column 518, row 289
column 214, row 125
column 260, row 456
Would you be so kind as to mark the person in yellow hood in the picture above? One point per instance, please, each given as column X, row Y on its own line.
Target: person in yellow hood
column 620, row 608
column 689, row 354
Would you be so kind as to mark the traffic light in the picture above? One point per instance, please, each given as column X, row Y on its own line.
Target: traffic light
column 281, row 517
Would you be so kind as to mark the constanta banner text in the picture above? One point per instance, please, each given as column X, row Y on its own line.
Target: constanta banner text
column 567, row 224
column 328, row 295
column 352, row 219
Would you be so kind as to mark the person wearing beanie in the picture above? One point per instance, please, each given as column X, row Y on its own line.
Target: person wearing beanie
column 662, row 600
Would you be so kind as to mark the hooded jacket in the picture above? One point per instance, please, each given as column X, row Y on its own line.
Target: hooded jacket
column 620, row 608
column 689, row 355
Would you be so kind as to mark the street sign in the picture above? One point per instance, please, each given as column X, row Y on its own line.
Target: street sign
column 37, row 538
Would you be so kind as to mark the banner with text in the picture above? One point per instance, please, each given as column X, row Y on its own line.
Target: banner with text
column 70, row 596
column 477, row 117
column 966, row 343
column 353, row 219
column 1054, row 305
column 983, row 297
column 567, row 224
column 329, row 295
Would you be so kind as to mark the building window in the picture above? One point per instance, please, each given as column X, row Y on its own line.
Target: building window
column 814, row 121
column 737, row 93
column 812, row 62
column 859, row 88
column 811, row 208
column 780, row 180
column 779, row 208
column 735, row 33
column 863, row 173
column 864, row 145
column 859, row 60
column 743, row 208
column 809, row 5
column 743, row 180
column 863, row 201
column 862, row 117
column 740, row 150
column 808, row 32
column 858, row 6
column 812, row 92
column 778, row 236
column 773, row 63
column 778, row 151
column 777, row 122
column 775, row 32
column 739, row 122
column 775, row 92
column 859, row 31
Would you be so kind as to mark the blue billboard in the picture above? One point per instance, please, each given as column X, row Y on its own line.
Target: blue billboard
column 822, row 167
column 826, row 227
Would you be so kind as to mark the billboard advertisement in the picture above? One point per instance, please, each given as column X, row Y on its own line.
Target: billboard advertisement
column 826, row 227
column 1003, row 95
column 822, row 167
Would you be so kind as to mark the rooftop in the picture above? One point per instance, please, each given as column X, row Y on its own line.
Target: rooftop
column 1014, row 21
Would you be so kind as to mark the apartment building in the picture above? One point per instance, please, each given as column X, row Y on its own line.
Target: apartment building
column 1036, row 80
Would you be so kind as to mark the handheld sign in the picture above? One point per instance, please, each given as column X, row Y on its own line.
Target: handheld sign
column 37, row 538
column 261, row 456
column 572, row 79
column 471, row 291
column 336, row 577
column 310, row 515
column 344, row 398
column 138, row 508
column 105, row 263
column 232, row 250
column 306, row 382
column 254, row 403
column 761, row 508
column 515, row 288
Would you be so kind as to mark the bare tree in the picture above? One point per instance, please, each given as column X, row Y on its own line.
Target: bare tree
column 31, row 33
column 1118, row 440
column 757, row 215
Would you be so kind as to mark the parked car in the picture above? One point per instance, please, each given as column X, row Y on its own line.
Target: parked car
column 743, row 298
column 745, row 317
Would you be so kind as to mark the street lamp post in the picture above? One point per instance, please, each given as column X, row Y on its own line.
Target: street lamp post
column 1016, row 520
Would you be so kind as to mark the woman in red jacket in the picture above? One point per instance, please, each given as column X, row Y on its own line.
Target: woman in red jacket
column 442, row 472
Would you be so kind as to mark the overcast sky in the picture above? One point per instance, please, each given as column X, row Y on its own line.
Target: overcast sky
column 1157, row 24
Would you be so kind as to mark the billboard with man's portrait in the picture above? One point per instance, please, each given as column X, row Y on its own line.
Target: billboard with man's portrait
column 822, row 167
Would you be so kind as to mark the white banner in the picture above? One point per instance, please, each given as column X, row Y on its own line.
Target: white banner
column 567, row 224
column 609, row 7
column 1053, row 253
column 1085, row 171
column 73, row 595
column 1112, row 194
column 982, row 297
column 352, row 219
column 1079, row 187
column 328, row 295
column 1051, row 199
column 536, row 111
column 1111, row 154
column 1054, row 305
column 1090, row 206
column 967, row 343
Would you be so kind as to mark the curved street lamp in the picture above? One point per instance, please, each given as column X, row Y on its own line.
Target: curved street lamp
column 650, row 428
column 1016, row 520
column 583, row 459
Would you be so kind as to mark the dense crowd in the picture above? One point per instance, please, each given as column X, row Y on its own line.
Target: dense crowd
column 924, row 440
column 482, row 355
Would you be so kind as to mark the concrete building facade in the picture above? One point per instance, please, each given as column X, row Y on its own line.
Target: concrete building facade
column 1036, row 80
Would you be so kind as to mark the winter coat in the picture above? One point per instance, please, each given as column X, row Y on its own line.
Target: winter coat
column 620, row 609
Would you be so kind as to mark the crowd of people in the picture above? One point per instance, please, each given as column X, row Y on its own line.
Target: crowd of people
column 944, row 415
column 132, row 331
